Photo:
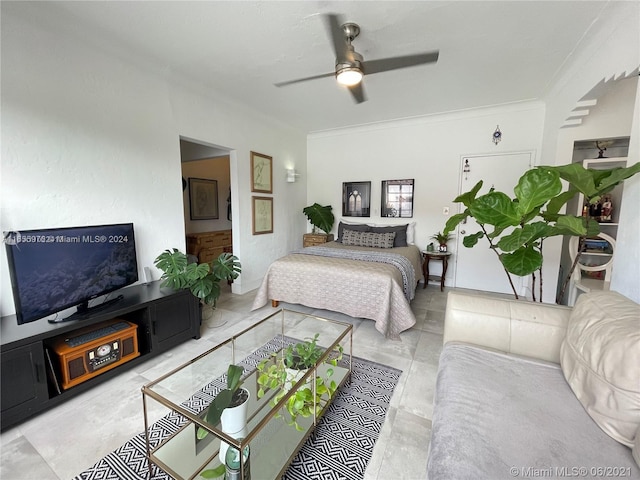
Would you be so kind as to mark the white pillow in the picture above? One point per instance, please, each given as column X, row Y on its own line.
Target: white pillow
column 600, row 358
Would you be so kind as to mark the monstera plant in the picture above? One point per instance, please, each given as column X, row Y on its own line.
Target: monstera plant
column 515, row 228
column 321, row 217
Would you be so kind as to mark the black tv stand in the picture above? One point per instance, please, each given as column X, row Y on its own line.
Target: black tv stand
column 84, row 311
column 31, row 370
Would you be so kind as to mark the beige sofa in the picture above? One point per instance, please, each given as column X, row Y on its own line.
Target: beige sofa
column 533, row 390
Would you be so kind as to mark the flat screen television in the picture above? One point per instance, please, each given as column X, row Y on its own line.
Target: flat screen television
column 55, row 269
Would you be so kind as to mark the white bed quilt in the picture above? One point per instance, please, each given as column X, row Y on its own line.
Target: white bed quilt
column 361, row 289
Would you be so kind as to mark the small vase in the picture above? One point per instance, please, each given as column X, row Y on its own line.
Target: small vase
column 234, row 423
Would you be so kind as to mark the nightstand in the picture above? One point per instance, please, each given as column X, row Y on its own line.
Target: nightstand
column 426, row 258
column 312, row 239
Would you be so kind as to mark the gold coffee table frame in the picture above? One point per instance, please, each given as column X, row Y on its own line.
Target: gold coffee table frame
column 273, row 443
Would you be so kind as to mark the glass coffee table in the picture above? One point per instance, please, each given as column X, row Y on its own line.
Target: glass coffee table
column 176, row 403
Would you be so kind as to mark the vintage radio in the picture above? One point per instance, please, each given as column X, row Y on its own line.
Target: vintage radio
column 93, row 350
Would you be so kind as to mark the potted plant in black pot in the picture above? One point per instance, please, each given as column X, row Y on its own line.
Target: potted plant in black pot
column 202, row 279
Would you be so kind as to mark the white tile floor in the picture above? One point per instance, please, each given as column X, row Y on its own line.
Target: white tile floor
column 64, row 441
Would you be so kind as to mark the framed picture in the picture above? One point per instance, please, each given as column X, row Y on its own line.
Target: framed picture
column 397, row 198
column 356, row 199
column 203, row 199
column 262, row 208
column 261, row 173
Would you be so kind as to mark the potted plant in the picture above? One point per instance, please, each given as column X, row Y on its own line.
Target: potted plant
column 321, row 217
column 202, row 279
column 281, row 371
column 442, row 240
column 229, row 408
column 533, row 215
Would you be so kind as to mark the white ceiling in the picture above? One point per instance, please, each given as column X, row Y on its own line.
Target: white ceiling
column 491, row 53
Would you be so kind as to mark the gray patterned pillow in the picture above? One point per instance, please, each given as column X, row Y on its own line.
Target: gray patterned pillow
column 368, row 239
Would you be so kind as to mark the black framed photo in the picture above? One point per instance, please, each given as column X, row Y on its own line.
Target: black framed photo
column 203, row 199
column 356, row 199
column 397, row 198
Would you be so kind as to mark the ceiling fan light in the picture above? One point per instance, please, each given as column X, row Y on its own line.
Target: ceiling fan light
column 349, row 76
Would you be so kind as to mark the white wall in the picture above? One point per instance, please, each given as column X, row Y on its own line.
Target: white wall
column 427, row 149
column 610, row 50
column 88, row 138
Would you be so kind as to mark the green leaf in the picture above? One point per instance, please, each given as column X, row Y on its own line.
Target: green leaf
column 320, row 216
column 571, row 225
column 453, row 222
column 222, row 401
column 467, row 198
column 606, row 183
column 535, row 188
column 214, row 472
column 234, row 373
column 556, row 203
column 523, row 236
column 578, row 176
column 524, row 261
column 226, row 267
column 470, row 240
column 495, row 208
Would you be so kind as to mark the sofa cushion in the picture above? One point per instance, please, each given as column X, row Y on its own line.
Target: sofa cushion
column 498, row 416
column 600, row 359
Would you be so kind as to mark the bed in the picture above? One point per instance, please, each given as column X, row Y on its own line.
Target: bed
column 359, row 281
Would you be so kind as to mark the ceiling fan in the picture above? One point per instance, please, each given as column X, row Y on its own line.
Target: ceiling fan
column 351, row 67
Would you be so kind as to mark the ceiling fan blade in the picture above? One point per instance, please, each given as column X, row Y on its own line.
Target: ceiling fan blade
column 394, row 63
column 291, row 82
column 334, row 25
column 358, row 93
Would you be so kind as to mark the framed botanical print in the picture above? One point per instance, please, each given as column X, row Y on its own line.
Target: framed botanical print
column 262, row 208
column 203, row 199
column 261, row 173
column 356, row 199
column 397, row 198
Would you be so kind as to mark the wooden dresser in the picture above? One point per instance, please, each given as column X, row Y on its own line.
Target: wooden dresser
column 312, row 239
column 208, row 246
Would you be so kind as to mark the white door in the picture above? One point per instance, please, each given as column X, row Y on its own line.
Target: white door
column 479, row 268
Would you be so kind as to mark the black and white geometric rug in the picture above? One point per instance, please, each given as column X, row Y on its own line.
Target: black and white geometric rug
column 339, row 448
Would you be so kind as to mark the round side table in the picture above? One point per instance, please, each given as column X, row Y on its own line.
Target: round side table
column 426, row 258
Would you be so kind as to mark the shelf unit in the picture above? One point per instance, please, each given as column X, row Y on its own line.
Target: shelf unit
column 593, row 271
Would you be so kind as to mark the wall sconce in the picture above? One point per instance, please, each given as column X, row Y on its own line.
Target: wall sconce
column 292, row 175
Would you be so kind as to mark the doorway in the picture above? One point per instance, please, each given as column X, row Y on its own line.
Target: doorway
column 206, row 187
column 478, row 268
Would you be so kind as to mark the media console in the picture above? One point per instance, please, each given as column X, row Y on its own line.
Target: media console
column 33, row 375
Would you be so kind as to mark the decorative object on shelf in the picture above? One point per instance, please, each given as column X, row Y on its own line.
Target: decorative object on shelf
column 397, row 198
column 607, row 209
column 261, row 173
column 202, row 279
column 535, row 215
column 442, row 239
column 282, row 370
column 262, row 211
column 356, row 199
column 497, row 135
column 602, row 145
column 466, row 169
column 321, row 217
column 430, row 247
column 203, row 199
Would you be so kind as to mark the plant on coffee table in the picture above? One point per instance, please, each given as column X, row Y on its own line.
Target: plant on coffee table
column 281, row 371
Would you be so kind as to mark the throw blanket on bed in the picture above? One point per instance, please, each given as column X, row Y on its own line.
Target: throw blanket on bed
column 401, row 262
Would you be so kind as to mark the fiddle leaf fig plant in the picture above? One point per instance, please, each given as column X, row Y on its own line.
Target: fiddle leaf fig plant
column 321, row 217
column 516, row 228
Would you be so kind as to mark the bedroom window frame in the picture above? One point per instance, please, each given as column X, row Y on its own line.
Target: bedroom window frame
column 392, row 202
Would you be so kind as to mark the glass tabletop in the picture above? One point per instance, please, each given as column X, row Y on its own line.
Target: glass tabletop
column 187, row 391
